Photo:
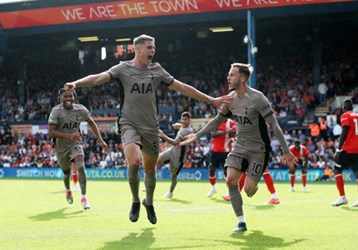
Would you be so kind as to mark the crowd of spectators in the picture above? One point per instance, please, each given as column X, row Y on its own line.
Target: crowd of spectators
column 24, row 151
column 286, row 80
column 28, row 150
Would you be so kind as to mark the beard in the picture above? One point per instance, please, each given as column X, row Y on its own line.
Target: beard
column 234, row 86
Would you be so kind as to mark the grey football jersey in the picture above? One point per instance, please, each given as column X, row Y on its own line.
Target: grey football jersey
column 68, row 121
column 248, row 112
column 138, row 92
column 180, row 151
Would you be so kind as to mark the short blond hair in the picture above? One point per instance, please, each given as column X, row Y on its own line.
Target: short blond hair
column 245, row 69
column 142, row 39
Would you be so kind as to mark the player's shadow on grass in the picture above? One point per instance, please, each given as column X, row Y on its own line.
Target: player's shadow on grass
column 55, row 215
column 258, row 240
column 56, row 192
column 351, row 209
column 178, row 201
column 261, row 206
column 220, row 200
column 142, row 240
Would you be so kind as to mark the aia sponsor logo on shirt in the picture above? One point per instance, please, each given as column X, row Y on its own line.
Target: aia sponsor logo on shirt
column 142, row 88
column 70, row 125
column 242, row 120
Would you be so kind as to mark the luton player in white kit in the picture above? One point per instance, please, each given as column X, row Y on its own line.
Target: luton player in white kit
column 138, row 80
column 175, row 155
column 64, row 123
column 251, row 110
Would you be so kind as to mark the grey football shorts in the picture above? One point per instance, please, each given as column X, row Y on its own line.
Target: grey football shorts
column 148, row 140
column 65, row 158
column 252, row 163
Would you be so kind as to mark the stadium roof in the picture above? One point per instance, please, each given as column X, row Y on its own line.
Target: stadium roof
column 39, row 17
column 275, row 21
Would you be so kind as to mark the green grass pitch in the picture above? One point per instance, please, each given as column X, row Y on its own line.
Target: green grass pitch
column 34, row 215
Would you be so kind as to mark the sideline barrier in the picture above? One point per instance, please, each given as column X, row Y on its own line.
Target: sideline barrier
column 191, row 174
